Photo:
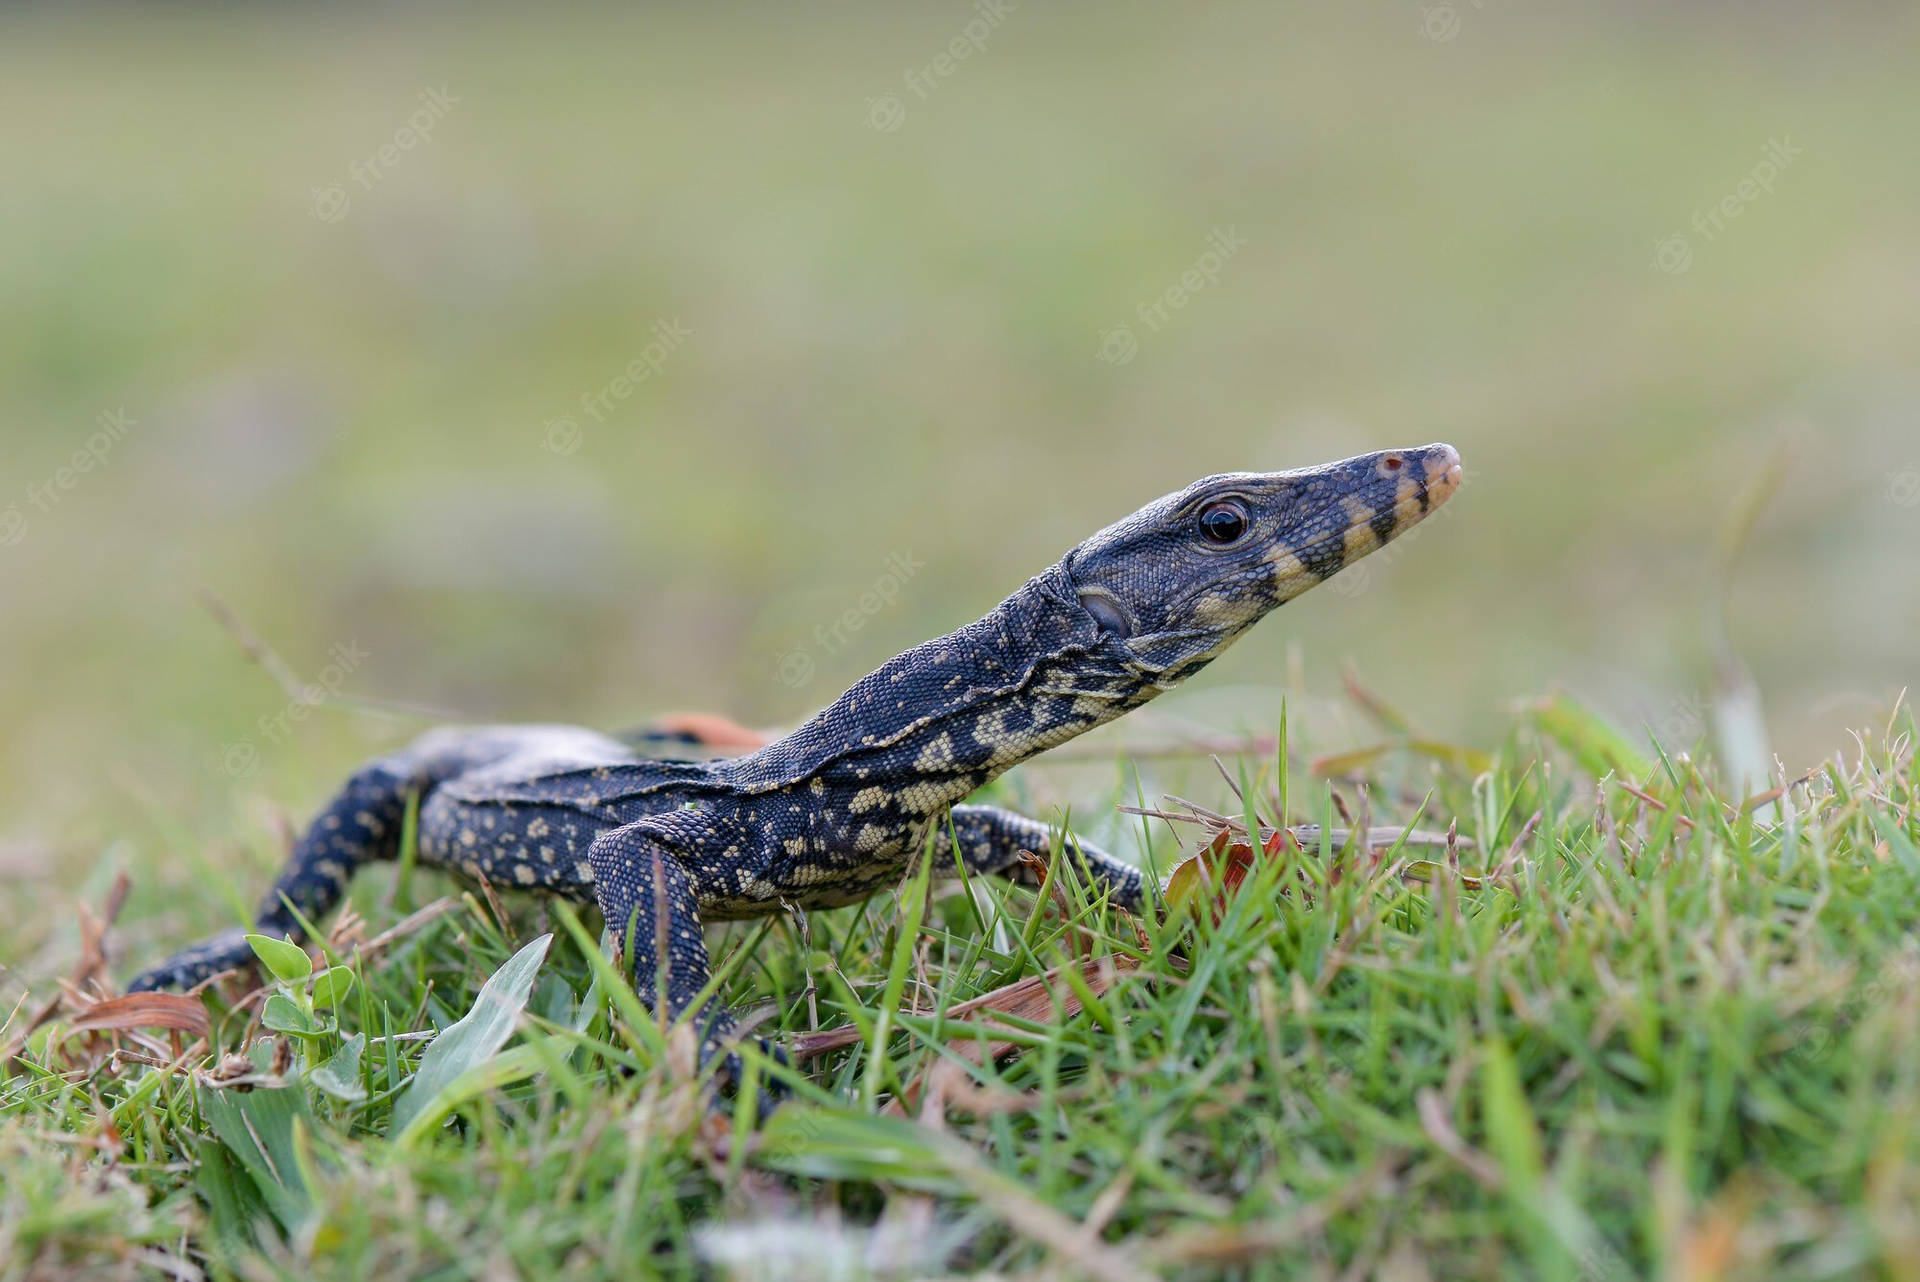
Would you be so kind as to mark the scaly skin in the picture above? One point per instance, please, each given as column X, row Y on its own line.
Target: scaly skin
column 836, row 810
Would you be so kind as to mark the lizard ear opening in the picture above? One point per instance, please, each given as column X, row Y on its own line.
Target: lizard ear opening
column 1107, row 611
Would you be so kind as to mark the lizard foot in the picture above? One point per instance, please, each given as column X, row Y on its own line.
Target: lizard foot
column 732, row 1073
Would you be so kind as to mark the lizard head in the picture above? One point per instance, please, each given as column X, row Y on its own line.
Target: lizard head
column 1179, row 580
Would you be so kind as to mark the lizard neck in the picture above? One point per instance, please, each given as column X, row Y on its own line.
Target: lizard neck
column 936, row 723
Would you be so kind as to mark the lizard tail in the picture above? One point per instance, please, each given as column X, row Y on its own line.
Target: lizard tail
column 360, row 825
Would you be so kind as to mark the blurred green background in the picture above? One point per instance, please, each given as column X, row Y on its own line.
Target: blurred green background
column 341, row 300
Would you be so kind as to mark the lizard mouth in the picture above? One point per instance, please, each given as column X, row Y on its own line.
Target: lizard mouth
column 1443, row 475
column 1396, row 491
column 1407, row 492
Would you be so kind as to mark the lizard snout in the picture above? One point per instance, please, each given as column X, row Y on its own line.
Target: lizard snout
column 1405, row 488
column 1444, row 472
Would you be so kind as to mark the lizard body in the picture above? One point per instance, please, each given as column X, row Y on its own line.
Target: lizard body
column 836, row 810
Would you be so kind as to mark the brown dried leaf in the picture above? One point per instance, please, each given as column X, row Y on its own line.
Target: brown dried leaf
column 144, row 1010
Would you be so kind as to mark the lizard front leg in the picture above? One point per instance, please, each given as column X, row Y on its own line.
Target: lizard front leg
column 650, row 899
column 991, row 839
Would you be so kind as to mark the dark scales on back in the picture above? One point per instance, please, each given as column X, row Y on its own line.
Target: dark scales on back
column 837, row 810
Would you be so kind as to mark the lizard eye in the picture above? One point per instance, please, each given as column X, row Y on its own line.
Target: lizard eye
column 1223, row 522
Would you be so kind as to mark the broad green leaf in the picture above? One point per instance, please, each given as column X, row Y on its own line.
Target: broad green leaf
column 234, row 1203
column 257, row 1127
column 285, row 961
column 283, row 1015
column 830, row 1145
column 332, row 986
column 474, row 1038
column 340, row 1075
column 503, row 1069
column 590, row 1006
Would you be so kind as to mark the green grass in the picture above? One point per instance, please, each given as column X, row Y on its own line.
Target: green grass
column 1637, row 1031
column 1694, row 1034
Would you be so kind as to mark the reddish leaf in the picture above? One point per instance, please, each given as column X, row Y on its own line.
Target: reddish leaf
column 1221, row 867
column 144, row 1010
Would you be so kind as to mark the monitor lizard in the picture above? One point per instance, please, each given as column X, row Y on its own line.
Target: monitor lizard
column 837, row 809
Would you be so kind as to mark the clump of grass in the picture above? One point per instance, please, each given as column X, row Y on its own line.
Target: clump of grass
column 1619, row 1024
